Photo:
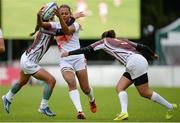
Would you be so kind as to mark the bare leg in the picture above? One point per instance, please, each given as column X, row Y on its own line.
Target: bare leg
column 85, row 87
column 16, row 87
column 48, row 79
column 50, row 83
column 84, row 83
column 49, row 86
column 122, row 85
column 146, row 92
column 69, row 77
column 7, row 99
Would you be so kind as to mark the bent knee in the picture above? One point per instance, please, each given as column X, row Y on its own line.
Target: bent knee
column 119, row 89
column 71, row 83
column 51, row 81
column 145, row 94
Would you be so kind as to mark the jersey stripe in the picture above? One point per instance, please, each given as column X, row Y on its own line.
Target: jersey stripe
column 39, row 47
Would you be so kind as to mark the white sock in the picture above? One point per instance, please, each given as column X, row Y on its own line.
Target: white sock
column 44, row 103
column 158, row 99
column 91, row 95
column 123, row 98
column 75, row 97
column 9, row 96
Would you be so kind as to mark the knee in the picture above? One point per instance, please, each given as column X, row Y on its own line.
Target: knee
column 52, row 81
column 145, row 94
column 71, row 84
column 119, row 89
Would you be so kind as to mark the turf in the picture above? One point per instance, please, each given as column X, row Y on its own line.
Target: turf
column 19, row 17
column 26, row 103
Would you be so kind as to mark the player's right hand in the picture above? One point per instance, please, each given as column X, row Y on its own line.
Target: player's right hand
column 65, row 54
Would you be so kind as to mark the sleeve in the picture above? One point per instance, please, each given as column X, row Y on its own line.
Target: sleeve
column 132, row 43
column 89, row 49
column 85, row 50
column 142, row 48
column 98, row 45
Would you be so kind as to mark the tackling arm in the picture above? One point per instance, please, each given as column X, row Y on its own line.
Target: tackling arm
column 85, row 50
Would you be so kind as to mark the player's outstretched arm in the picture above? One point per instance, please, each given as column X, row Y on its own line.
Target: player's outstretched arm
column 84, row 50
column 141, row 47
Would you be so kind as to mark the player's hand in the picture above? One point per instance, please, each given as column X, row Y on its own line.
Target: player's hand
column 79, row 15
column 57, row 13
column 155, row 57
column 40, row 12
column 65, row 54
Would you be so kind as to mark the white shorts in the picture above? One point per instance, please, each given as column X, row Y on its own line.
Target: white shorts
column 27, row 66
column 136, row 65
column 74, row 64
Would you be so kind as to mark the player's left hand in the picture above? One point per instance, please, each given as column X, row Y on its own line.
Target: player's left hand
column 56, row 12
column 79, row 15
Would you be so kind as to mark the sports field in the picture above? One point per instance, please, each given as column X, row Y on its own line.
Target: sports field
column 26, row 103
column 19, row 18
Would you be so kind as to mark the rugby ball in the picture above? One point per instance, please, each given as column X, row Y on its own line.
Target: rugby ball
column 48, row 10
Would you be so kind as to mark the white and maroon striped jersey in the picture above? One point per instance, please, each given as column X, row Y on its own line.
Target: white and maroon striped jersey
column 121, row 49
column 39, row 47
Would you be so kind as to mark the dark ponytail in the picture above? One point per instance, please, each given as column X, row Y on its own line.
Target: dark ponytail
column 35, row 30
column 108, row 34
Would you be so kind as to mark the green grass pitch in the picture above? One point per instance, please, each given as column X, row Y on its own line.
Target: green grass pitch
column 26, row 102
column 19, row 18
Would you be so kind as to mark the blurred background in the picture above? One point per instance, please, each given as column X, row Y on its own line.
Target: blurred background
column 155, row 23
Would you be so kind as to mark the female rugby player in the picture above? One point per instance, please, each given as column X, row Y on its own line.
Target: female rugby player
column 73, row 66
column 29, row 63
column 128, row 54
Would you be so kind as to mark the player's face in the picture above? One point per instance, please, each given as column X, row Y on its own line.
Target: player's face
column 65, row 13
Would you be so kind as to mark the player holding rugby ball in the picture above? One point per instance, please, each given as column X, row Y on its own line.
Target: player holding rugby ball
column 31, row 57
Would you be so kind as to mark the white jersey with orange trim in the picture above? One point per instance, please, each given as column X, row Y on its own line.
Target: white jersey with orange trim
column 68, row 42
column 121, row 49
column 1, row 35
column 39, row 47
